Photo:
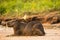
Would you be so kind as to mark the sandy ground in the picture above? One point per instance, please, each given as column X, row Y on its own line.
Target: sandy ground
column 51, row 34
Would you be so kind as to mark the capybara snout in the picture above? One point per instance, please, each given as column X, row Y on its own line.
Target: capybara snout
column 11, row 23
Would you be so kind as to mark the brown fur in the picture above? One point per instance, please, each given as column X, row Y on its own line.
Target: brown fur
column 18, row 27
column 32, row 28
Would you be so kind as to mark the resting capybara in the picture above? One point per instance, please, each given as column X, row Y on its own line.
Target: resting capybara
column 18, row 27
column 34, row 28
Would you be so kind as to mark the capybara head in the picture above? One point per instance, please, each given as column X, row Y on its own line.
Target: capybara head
column 12, row 23
column 15, row 22
column 34, row 18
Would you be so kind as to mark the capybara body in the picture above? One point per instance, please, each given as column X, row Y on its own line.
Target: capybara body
column 38, row 29
column 34, row 28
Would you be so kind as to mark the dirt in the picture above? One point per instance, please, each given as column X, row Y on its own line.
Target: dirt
column 51, row 34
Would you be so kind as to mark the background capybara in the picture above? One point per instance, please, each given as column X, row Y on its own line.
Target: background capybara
column 34, row 28
column 18, row 26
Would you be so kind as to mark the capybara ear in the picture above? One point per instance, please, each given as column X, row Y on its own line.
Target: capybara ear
column 34, row 18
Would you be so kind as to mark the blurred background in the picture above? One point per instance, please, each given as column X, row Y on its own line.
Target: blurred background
column 17, row 8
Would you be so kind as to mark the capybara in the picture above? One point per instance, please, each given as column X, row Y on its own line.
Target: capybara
column 18, row 27
column 34, row 28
